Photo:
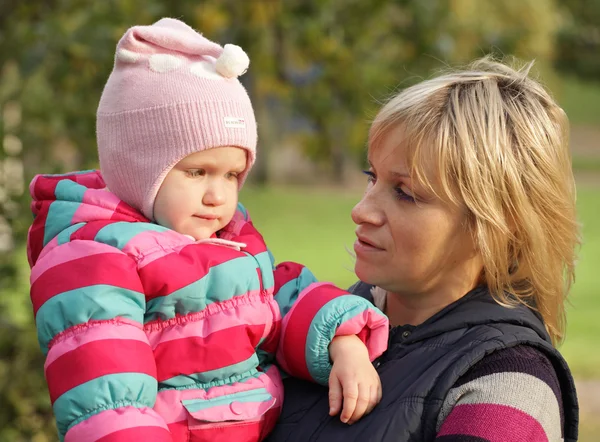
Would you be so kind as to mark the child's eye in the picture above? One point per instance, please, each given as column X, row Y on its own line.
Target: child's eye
column 232, row 175
column 193, row 173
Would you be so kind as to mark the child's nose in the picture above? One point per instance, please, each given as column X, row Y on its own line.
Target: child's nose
column 214, row 195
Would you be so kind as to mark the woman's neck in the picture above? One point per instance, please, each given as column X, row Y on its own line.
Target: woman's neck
column 414, row 309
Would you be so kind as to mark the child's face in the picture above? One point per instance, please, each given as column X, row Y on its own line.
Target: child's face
column 199, row 195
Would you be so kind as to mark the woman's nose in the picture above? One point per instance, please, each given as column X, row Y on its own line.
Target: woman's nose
column 368, row 211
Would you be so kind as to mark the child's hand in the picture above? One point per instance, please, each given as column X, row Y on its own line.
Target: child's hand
column 353, row 379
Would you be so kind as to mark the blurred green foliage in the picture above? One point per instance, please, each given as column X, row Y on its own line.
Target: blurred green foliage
column 578, row 40
column 319, row 70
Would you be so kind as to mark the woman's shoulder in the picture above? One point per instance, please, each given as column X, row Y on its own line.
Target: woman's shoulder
column 512, row 390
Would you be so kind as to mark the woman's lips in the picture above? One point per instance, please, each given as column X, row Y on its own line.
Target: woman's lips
column 364, row 244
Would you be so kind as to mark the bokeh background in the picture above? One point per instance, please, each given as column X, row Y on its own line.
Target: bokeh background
column 319, row 71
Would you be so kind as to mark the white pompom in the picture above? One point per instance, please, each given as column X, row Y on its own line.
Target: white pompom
column 233, row 62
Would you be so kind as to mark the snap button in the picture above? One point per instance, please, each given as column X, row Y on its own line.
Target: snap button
column 405, row 334
column 236, row 408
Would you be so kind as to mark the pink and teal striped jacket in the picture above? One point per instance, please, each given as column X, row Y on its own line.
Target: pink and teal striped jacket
column 150, row 335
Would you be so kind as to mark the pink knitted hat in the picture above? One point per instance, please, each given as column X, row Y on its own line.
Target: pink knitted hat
column 171, row 93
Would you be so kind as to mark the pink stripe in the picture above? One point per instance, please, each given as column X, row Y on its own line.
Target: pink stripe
column 98, row 331
column 496, row 423
column 235, row 226
column 378, row 331
column 168, row 402
column 68, row 252
column 246, row 411
column 166, row 242
column 87, row 212
column 255, row 313
column 111, row 421
column 96, row 204
column 304, row 293
column 48, row 248
column 102, row 198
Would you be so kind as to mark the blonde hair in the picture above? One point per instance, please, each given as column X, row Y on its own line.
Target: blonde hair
column 493, row 141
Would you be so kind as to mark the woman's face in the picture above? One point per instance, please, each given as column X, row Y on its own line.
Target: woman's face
column 408, row 241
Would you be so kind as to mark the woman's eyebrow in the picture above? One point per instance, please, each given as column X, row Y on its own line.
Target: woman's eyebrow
column 399, row 174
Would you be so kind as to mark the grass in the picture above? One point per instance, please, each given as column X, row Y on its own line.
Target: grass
column 580, row 100
column 309, row 226
column 313, row 227
column 583, row 316
column 586, row 164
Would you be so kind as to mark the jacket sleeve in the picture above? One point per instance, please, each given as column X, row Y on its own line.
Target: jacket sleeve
column 313, row 314
column 89, row 309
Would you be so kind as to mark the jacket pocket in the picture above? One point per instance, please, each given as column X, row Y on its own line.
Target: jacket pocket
column 241, row 406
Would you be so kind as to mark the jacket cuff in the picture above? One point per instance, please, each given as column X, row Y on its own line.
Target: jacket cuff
column 316, row 319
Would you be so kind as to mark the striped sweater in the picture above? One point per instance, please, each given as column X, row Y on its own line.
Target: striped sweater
column 150, row 335
column 511, row 395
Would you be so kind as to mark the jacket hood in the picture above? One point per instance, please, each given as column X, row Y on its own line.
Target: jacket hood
column 64, row 203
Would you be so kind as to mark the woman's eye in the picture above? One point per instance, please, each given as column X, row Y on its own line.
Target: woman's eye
column 402, row 195
column 370, row 176
column 195, row 172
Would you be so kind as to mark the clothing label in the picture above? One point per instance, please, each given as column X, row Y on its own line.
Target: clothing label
column 235, row 122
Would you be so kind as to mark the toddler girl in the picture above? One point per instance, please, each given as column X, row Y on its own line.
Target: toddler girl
column 157, row 303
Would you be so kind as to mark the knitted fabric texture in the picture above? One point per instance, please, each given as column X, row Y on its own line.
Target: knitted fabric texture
column 171, row 93
column 511, row 395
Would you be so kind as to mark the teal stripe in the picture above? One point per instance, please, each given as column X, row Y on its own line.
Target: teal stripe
column 65, row 235
column 288, row 293
column 227, row 375
column 258, row 395
column 272, row 258
column 120, row 233
column 104, row 393
column 79, row 172
column 60, row 214
column 69, row 196
column 266, row 268
column 222, row 282
column 322, row 330
column 81, row 305
column 67, row 190
column 242, row 209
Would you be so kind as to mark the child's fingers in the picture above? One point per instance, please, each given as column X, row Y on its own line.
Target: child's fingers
column 335, row 396
column 350, row 399
column 373, row 393
column 362, row 403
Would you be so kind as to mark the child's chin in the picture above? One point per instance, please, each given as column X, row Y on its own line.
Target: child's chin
column 199, row 234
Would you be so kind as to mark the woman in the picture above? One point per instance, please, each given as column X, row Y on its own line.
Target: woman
column 466, row 238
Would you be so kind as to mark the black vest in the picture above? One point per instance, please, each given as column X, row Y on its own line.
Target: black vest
column 419, row 368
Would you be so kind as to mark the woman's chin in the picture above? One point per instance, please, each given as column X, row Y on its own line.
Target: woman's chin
column 366, row 273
